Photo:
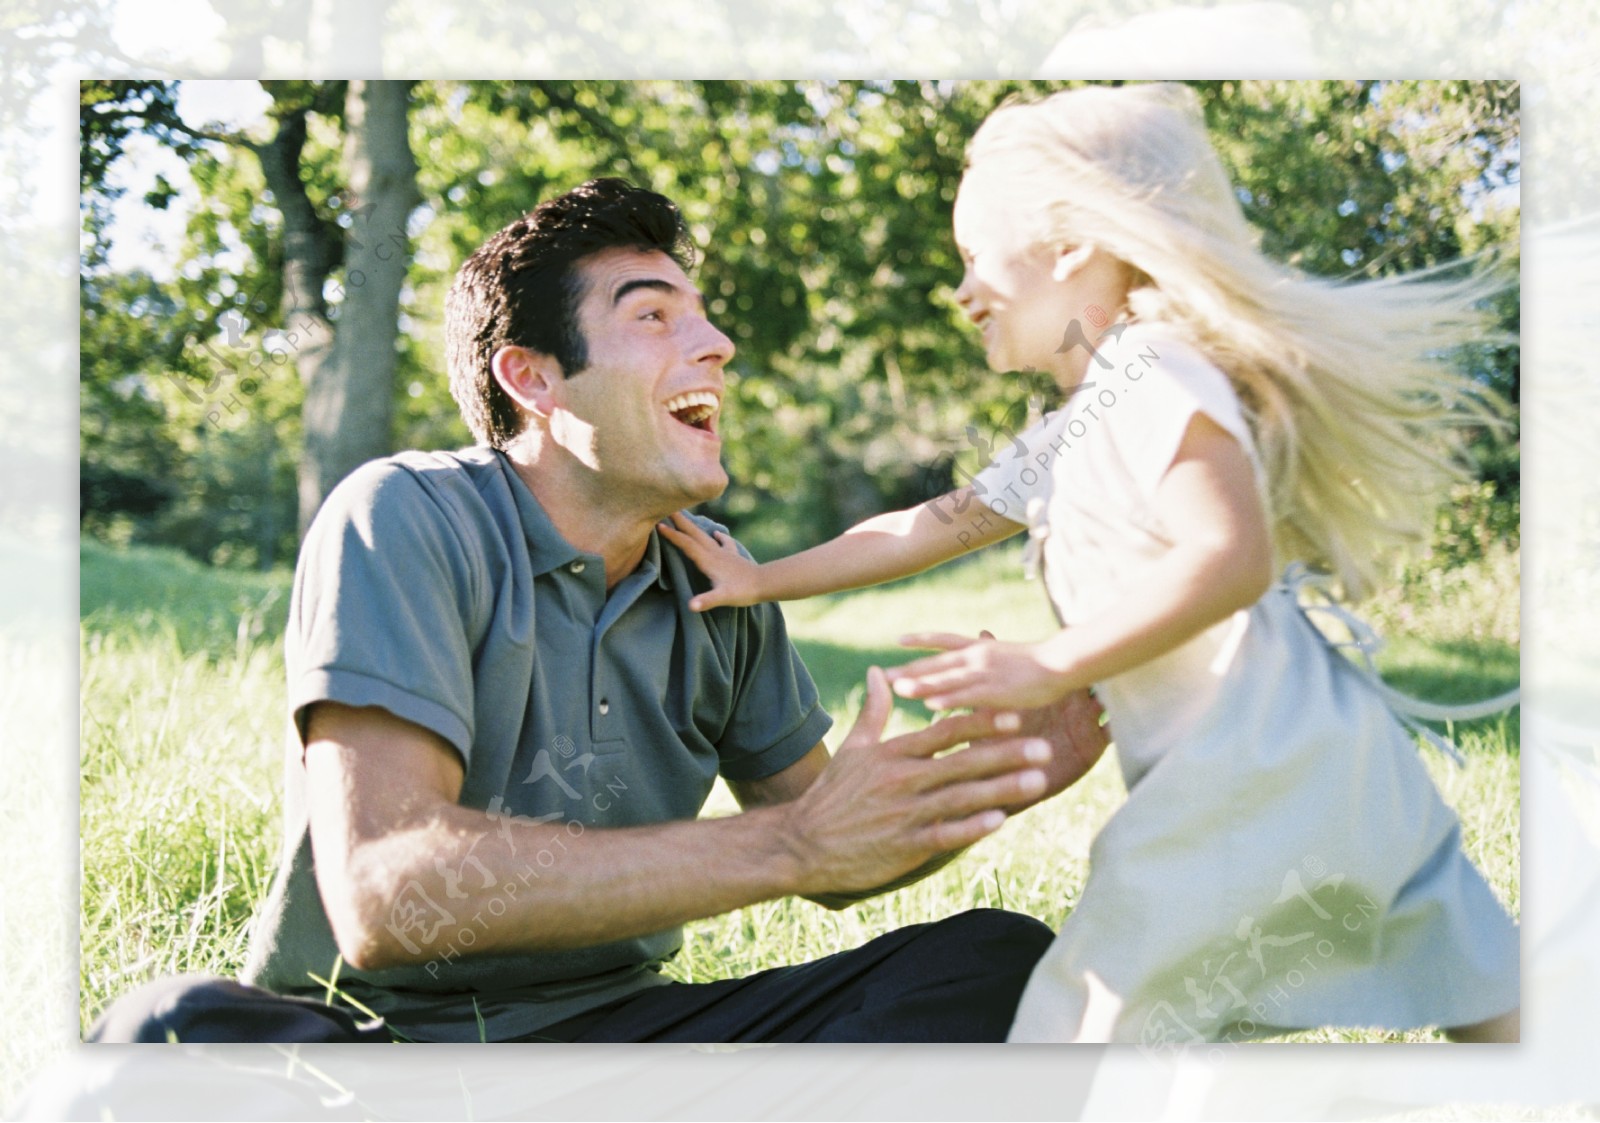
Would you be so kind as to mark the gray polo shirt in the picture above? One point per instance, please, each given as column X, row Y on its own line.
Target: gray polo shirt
column 434, row 586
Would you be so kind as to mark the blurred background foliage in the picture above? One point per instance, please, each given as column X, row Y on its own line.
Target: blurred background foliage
column 823, row 213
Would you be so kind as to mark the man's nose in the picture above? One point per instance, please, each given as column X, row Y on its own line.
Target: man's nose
column 712, row 346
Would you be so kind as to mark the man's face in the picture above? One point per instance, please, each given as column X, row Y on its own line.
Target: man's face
column 643, row 414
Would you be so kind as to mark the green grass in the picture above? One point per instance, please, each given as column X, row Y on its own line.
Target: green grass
column 182, row 723
column 180, row 729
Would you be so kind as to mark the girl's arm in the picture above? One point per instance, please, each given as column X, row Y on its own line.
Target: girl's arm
column 887, row 546
column 1221, row 561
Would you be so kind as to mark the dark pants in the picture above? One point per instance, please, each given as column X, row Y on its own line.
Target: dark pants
column 958, row 979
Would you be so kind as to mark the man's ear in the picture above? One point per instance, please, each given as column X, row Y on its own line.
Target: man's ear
column 1070, row 259
column 529, row 378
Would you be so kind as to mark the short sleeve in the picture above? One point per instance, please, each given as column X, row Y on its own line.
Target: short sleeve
column 1166, row 384
column 382, row 607
column 1020, row 472
column 777, row 716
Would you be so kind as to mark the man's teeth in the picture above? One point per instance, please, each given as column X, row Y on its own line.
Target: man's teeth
column 694, row 407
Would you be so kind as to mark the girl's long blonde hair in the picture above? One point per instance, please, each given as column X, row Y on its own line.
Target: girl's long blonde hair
column 1358, row 414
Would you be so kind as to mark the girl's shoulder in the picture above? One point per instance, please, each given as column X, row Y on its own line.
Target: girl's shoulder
column 1166, row 350
column 1151, row 386
column 1161, row 359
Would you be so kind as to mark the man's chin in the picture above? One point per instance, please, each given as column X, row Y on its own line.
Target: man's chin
column 714, row 491
column 704, row 491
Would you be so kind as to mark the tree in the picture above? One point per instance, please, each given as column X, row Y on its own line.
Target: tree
column 345, row 359
column 823, row 209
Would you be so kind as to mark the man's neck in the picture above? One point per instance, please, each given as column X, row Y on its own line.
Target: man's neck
column 583, row 514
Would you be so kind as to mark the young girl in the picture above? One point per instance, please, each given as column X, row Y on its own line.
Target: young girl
column 1283, row 860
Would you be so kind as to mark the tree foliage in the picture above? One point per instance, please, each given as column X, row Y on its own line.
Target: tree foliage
column 823, row 211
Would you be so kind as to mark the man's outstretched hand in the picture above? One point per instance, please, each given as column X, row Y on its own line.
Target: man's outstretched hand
column 885, row 808
column 1072, row 726
column 1077, row 740
column 882, row 808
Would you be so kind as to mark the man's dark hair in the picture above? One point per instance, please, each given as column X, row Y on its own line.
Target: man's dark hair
column 522, row 288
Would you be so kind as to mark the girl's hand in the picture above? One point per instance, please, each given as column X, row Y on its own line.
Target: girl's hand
column 733, row 576
column 979, row 672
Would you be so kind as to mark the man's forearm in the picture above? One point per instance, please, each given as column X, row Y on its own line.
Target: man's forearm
column 392, row 847
column 528, row 887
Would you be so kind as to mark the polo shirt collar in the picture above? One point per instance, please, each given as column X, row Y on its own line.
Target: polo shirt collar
column 547, row 550
column 652, row 556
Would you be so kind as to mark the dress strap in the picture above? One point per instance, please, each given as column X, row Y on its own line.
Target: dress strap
column 1038, row 531
column 1366, row 643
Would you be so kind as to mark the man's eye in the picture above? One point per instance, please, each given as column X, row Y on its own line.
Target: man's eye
column 655, row 314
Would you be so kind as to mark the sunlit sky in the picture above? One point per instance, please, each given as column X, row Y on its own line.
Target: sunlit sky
column 148, row 239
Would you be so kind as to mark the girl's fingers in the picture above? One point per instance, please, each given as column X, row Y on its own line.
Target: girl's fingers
column 679, row 538
column 942, row 641
column 929, row 665
column 969, row 697
column 942, row 684
column 687, row 528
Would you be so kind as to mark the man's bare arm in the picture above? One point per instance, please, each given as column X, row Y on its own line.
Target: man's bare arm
column 383, row 815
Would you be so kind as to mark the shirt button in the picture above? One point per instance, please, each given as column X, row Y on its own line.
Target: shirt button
column 605, row 707
column 576, row 567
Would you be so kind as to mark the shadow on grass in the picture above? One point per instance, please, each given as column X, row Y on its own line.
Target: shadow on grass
column 1452, row 670
column 840, row 672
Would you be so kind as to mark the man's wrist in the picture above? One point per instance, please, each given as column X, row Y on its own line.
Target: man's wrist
column 786, row 858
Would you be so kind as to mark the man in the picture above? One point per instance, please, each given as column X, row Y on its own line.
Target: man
column 506, row 717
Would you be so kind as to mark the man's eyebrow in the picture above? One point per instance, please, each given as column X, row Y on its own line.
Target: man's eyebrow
column 660, row 286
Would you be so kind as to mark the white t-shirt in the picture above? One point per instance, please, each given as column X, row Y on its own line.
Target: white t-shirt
column 1084, row 480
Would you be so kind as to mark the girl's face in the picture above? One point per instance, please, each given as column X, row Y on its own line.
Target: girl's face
column 1008, row 291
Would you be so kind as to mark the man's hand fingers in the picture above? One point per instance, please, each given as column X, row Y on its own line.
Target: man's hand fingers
column 875, row 708
column 949, row 732
column 985, row 760
column 958, row 834
column 976, row 796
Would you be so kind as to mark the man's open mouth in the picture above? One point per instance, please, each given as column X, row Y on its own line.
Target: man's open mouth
column 696, row 409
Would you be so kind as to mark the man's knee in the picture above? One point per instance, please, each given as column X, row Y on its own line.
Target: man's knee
column 957, row 979
column 204, row 1008
column 991, row 939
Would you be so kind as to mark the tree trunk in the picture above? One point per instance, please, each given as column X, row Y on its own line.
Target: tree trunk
column 310, row 251
column 348, row 412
